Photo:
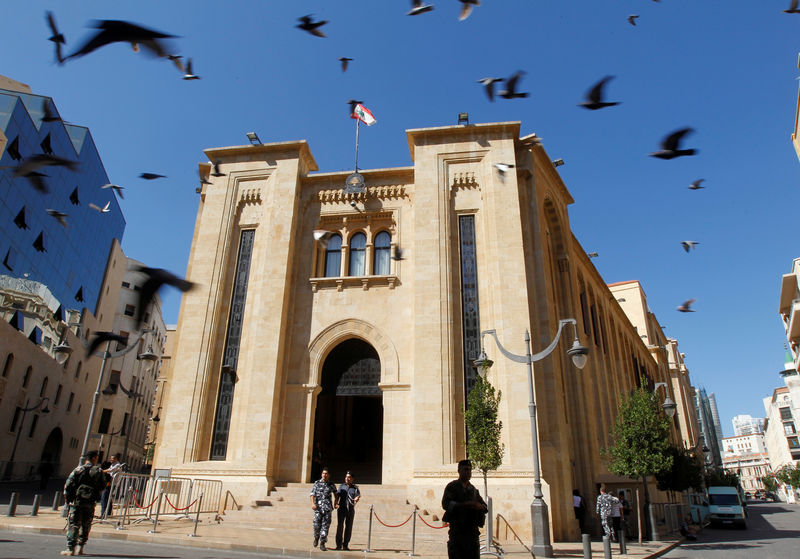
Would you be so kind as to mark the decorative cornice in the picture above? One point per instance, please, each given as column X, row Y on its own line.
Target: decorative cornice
column 250, row 195
column 382, row 192
column 464, row 180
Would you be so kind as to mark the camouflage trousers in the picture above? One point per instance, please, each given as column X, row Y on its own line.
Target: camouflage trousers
column 80, row 522
column 322, row 522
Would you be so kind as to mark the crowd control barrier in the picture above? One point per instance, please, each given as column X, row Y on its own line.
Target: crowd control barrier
column 411, row 517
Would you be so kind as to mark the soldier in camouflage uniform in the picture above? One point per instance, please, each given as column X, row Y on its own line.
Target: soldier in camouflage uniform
column 605, row 503
column 322, row 503
column 82, row 491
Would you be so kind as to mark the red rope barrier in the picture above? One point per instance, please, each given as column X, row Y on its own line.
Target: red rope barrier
column 136, row 501
column 390, row 525
column 445, row 525
column 176, row 508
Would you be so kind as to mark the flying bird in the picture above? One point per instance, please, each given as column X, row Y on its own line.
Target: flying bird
column 116, row 31
column 685, row 307
column 510, row 92
column 313, row 27
column 632, row 19
column 344, row 60
column 689, row 245
column 56, row 36
column 151, row 176
column 323, row 237
column 592, row 254
column 594, row 97
column 488, row 83
column 398, row 253
column 216, row 172
column 203, row 180
column 58, row 216
column 792, row 8
column 156, row 278
column 502, row 169
column 189, row 74
column 30, row 168
column 176, row 60
column 103, row 210
column 115, row 187
column 696, row 185
column 531, row 140
column 49, row 114
column 418, row 7
column 671, row 144
column 100, row 337
column 466, row 8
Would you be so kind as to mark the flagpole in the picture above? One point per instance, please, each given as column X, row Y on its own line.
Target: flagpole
column 358, row 121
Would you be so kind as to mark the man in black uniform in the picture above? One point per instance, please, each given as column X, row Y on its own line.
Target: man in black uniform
column 349, row 495
column 82, row 491
column 465, row 511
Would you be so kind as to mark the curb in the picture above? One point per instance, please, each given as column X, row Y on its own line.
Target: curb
column 666, row 550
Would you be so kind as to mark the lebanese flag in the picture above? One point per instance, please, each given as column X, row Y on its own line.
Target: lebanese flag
column 362, row 113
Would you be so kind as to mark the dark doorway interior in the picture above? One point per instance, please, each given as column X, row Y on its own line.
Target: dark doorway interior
column 349, row 415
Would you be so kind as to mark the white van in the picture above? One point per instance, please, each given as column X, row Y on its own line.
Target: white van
column 725, row 507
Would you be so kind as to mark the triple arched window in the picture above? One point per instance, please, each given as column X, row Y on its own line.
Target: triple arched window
column 358, row 255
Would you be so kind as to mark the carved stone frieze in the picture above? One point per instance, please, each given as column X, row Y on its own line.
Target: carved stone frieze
column 383, row 192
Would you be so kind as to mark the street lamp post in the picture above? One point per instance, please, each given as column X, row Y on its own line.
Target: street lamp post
column 25, row 410
column 539, row 513
column 149, row 358
column 669, row 406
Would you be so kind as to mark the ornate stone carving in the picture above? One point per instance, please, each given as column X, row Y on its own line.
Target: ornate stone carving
column 464, row 180
column 383, row 192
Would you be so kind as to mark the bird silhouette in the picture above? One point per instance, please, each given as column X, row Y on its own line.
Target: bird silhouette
column 632, row 19
column 671, row 144
column 502, row 169
column 689, row 245
column 466, row 8
column 216, row 172
column 151, row 176
column 100, row 337
column 116, row 31
column 792, row 8
column 156, row 278
column 594, row 97
column 685, row 307
column 189, row 74
column 592, row 254
column 323, row 237
column 488, row 84
column 29, row 168
column 696, row 185
column 103, row 210
column 49, row 114
column 397, row 254
column 344, row 60
column 58, row 216
column 418, row 7
column 313, row 27
column 114, row 187
column 56, row 37
column 510, row 92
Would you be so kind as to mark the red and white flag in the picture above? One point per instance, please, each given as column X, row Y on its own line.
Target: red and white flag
column 362, row 113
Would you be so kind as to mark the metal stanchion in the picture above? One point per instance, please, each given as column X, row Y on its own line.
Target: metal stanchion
column 197, row 517
column 623, row 546
column 57, row 500
column 369, row 530
column 35, row 507
column 587, row 546
column 606, row 547
column 413, row 531
column 12, row 505
column 158, row 510
column 126, row 495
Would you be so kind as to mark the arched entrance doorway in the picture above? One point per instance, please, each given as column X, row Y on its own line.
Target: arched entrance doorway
column 348, row 426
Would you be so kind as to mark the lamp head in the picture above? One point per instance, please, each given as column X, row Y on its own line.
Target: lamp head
column 483, row 363
column 149, row 359
column 156, row 418
column 669, row 407
column 463, row 118
column 62, row 352
column 254, row 139
column 578, row 353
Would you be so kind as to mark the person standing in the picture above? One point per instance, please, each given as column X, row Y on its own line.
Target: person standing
column 82, row 491
column 348, row 496
column 465, row 511
column 604, row 505
column 626, row 514
column 106, row 502
column 579, row 506
column 324, row 499
column 616, row 517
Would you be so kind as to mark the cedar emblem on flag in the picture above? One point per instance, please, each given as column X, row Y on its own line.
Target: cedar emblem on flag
column 360, row 112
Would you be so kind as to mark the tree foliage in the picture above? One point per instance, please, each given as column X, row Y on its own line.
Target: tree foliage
column 483, row 428
column 789, row 475
column 686, row 471
column 769, row 483
column 718, row 477
column 640, row 437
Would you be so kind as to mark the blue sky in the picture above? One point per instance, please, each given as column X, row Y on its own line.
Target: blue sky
column 727, row 70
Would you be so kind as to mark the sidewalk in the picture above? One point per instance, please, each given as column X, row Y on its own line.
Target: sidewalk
column 229, row 535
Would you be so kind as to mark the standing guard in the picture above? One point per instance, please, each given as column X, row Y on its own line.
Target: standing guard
column 323, row 500
column 82, row 491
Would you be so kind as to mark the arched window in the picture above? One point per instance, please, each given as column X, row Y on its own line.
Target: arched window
column 44, row 386
column 27, row 378
column 7, row 366
column 78, row 369
column 358, row 251
column 333, row 257
column 380, row 264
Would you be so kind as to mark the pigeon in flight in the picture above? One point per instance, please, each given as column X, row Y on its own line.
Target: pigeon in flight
column 99, row 337
column 488, row 83
column 344, row 60
column 56, row 36
column 151, row 176
column 115, row 187
column 671, row 144
column 323, row 237
column 418, row 7
column 49, row 114
column 594, row 97
column 397, row 254
column 313, row 27
column 216, row 172
column 156, row 277
column 510, row 92
column 632, row 19
column 592, row 254
column 502, row 169
column 30, row 168
column 176, row 60
column 103, row 210
column 189, row 74
column 685, row 307
column 466, row 8
column 58, row 216
column 116, row 31
column 792, row 8
column 696, row 185
column 689, row 245
column 531, row 140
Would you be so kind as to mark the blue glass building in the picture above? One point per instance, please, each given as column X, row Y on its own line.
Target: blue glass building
column 70, row 260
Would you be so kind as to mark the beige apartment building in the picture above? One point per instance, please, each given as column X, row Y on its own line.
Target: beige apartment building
column 363, row 344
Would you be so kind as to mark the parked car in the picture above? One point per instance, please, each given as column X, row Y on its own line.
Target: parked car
column 771, row 496
column 726, row 507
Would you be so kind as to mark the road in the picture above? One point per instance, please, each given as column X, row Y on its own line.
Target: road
column 773, row 532
column 24, row 545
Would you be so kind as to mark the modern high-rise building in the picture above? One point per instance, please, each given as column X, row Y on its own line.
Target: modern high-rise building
column 712, row 402
column 708, row 430
column 744, row 424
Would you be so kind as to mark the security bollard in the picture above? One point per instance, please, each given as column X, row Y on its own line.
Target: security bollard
column 606, row 547
column 12, row 505
column 413, row 531
column 35, row 507
column 369, row 530
column 158, row 510
column 587, row 546
column 197, row 517
column 57, row 500
column 623, row 546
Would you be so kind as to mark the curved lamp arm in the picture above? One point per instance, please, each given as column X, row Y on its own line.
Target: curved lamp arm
column 530, row 358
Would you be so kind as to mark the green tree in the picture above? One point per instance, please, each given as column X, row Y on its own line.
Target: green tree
column 483, row 428
column 686, row 471
column 769, row 483
column 719, row 477
column 789, row 475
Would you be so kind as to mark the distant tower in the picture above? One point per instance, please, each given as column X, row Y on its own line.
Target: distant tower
column 712, row 401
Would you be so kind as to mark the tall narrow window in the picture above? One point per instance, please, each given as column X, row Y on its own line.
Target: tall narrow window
column 470, row 317
column 34, row 421
column 7, row 366
column 380, row 265
column 105, row 419
column 27, row 378
column 333, row 257
column 43, row 389
column 358, row 251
